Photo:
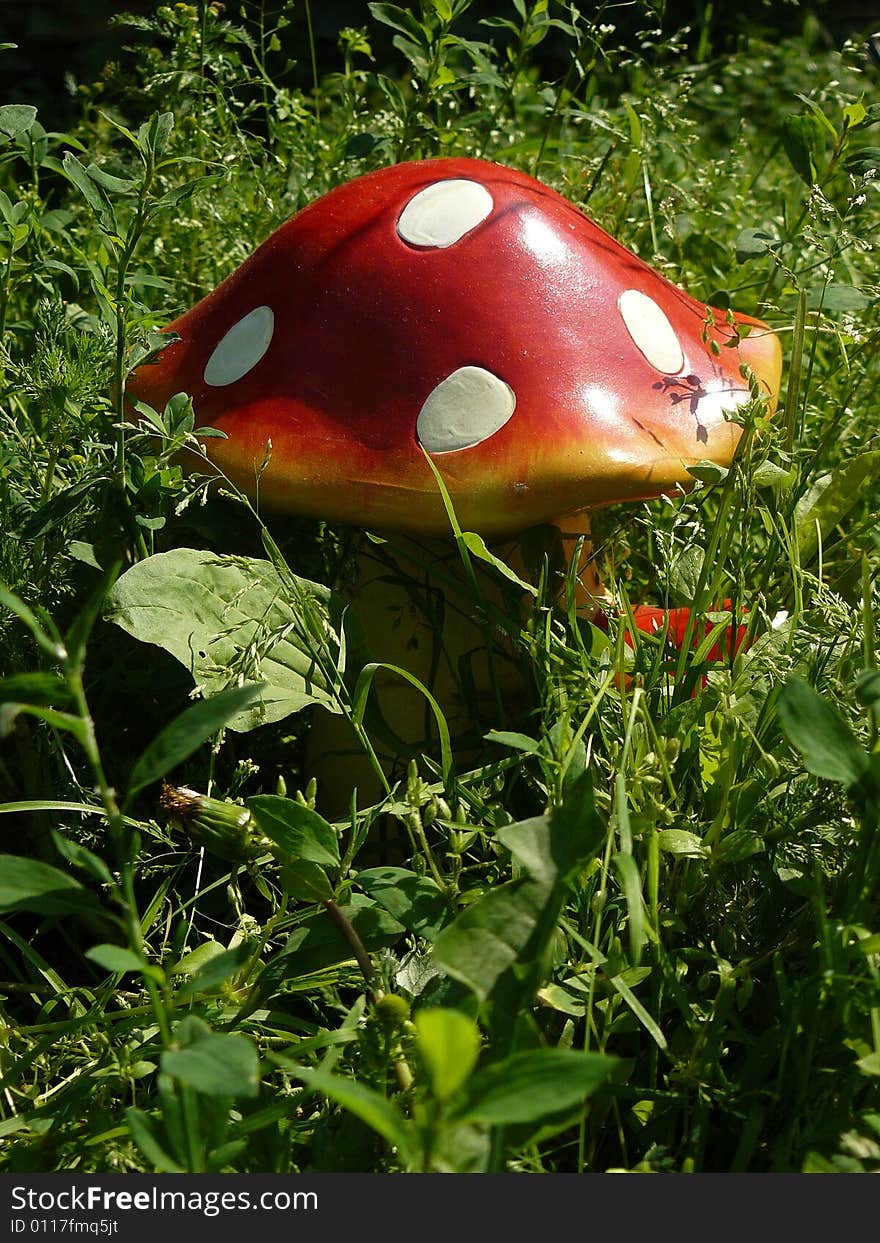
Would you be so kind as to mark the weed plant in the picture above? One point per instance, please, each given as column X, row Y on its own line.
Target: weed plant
column 642, row 931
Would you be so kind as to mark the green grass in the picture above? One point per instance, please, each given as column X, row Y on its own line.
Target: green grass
column 642, row 931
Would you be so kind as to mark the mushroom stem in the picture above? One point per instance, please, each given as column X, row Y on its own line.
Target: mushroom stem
column 576, row 545
column 563, row 543
column 418, row 610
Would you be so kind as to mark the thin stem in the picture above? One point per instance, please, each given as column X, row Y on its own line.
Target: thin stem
column 414, row 821
column 347, row 928
column 869, row 647
column 121, row 838
column 314, row 60
column 402, row 1071
column 190, row 1115
column 5, row 292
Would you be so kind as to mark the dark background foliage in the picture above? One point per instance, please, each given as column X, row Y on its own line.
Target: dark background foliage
column 63, row 43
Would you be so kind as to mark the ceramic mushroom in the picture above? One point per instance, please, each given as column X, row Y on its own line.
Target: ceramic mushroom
column 461, row 308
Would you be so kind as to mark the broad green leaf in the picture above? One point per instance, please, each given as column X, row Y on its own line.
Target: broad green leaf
column 442, row 9
column 216, row 970
column 489, row 936
column 9, row 600
column 415, row 901
column 179, row 194
column 232, row 618
column 684, row 574
column 91, row 192
column 113, row 185
column 815, row 1163
column 517, row 742
column 64, row 721
column 215, row 1063
column 753, row 242
column 50, row 515
column 820, row 734
column 153, row 135
column 738, row 846
column 187, row 732
column 382, row 1115
column 802, row 140
column 837, row 298
column 307, row 882
column 477, row 545
column 449, row 1045
column 30, row 885
column 769, row 475
column 35, row 688
column 531, row 844
column 122, row 185
column 513, row 925
column 863, row 158
column 76, row 854
column 818, row 115
column 15, row 119
column 561, row 999
column 296, row 829
column 831, row 498
column 552, row 848
column 115, row 958
column 144, row 1132
column 533, row 1084
column 854, row 114
column 708, row 472
column 398, row 19
column 9, row 1126
column 198, row 958
column 680, row 842
column 868, row 687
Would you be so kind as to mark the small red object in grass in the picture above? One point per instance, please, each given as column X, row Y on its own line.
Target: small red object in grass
column 652, row 621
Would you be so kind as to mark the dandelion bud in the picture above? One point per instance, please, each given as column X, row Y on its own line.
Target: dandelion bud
column 224, row 829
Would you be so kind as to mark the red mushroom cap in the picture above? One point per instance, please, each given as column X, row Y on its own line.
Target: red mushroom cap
column 462, row 307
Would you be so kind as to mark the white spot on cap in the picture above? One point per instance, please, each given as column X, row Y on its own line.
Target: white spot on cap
column 651, row 330
column 468, row 406
column 241, row 348
column 442, row 213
